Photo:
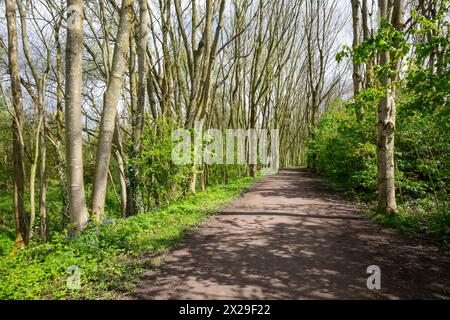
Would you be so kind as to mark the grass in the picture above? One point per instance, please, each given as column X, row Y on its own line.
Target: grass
column 414, row 218
column 109, row 258
column 432, row 226
column 417, row 218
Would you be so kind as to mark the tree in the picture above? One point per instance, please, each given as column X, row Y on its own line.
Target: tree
column 200, row 59
column 367, row 32
column 390, row 11
column 357, row 78
column 134, row 194
column 36, row 90
column 107, row 122
column 17, row 126
column 74, row 143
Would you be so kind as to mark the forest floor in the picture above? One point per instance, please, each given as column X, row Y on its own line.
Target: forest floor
column 291, row 237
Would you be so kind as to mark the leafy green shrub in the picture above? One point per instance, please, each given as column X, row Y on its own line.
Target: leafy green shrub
column 344, row 149
column 6, row 243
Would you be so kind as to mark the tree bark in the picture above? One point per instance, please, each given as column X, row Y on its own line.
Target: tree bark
column 43, row 184
column 107, row 122
column 60, row 157
column 74, row 144
column 134, row 195
column 119, row 154
column 17, row 128
column 38, row 98
column 33, row 170
column 357, row 79
column 366, row 35
column 386, row 117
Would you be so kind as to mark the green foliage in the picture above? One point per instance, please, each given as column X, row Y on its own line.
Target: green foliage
column 5, row 147
column 344, row 149
column 160, row 178
column 6, row 242
column 109, row 257
column 387, row 39
column 345, row 152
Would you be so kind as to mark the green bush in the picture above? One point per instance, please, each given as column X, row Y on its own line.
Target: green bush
column 344, row 150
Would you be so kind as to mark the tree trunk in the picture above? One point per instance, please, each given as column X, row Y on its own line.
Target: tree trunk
column 385, row 151
column 33, row 170
column 193, row 179
column 38, row 98
column 17, row 128
column 60, row 157
column 43, row 185
column 366, row 34
column 107, row 122
column 386, row 121
column 123, row 185
column 202, row 177
column 357, row 79
column 74, row 143
column 134, row 195
column 119, row 154
column 132, row 182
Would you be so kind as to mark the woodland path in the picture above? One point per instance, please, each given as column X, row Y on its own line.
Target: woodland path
column 290, row 237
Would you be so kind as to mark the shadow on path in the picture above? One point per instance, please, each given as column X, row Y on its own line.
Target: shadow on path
column 289, row 237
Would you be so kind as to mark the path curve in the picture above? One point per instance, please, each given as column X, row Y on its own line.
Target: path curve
column 290, row 237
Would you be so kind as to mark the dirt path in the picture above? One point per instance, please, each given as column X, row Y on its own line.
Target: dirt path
column 290, row 237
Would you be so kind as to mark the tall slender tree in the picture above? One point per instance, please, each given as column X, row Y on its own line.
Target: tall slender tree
column 73, row 98
column 110, row 101
column 17, row 126
column 134, row 195
column 390, row 11
column 357, row 77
